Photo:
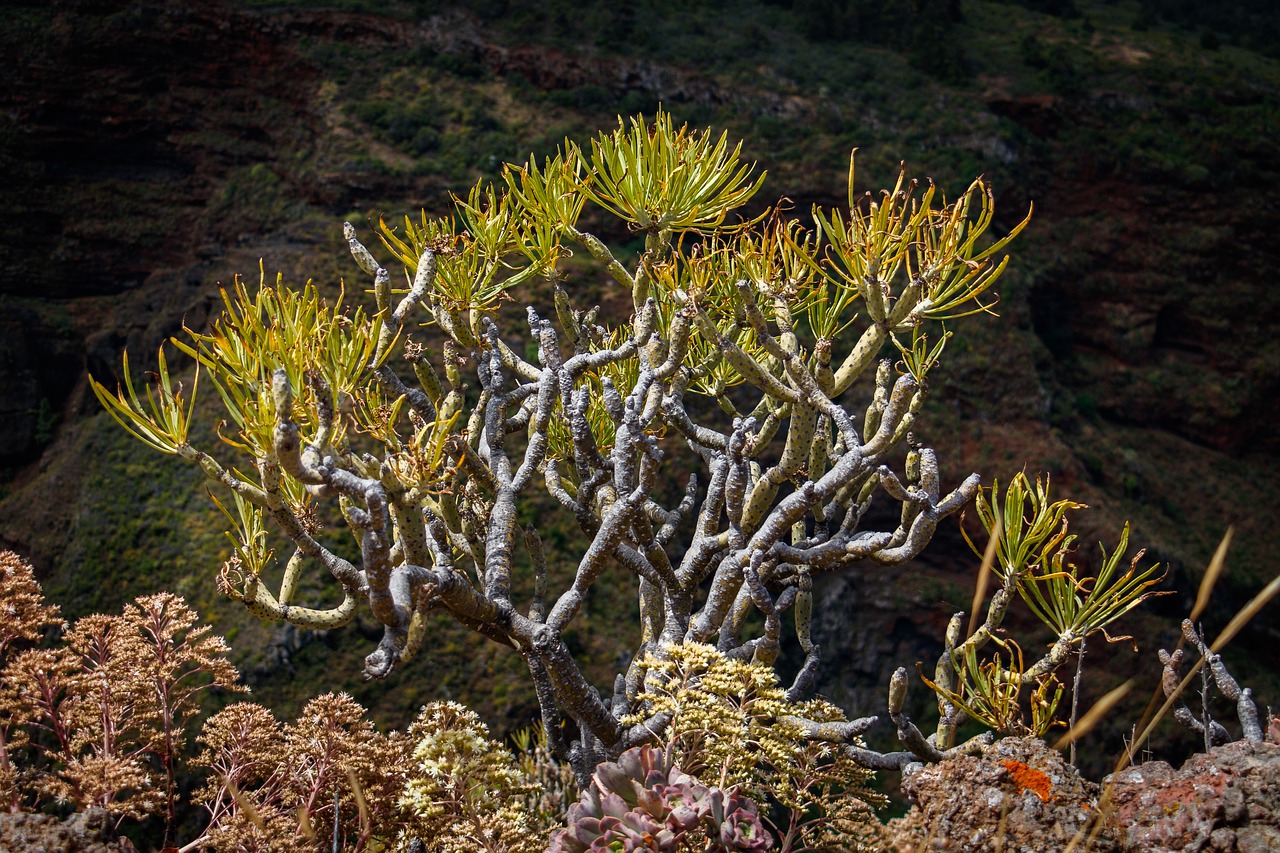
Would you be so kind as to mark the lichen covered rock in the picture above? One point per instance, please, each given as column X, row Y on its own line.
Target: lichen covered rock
column 1225, row 800
column 1021, row 795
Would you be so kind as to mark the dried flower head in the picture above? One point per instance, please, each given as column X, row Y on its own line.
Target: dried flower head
column 24, row 615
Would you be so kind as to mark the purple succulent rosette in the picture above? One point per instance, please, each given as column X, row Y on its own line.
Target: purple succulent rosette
column 643, row 802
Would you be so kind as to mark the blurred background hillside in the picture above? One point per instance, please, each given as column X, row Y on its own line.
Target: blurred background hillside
column 150, row 150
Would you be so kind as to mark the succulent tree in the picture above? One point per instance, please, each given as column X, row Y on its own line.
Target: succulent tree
column 738, row 361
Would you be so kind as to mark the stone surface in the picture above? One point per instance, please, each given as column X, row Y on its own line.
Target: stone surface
column 1020, row 796
column 1023, row 796
column 1224, row 800
column 85, row 832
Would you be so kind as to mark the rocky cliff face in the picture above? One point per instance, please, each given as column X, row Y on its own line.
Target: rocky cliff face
column 152, row 151
column 124, row 130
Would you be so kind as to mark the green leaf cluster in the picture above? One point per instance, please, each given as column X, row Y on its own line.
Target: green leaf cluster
column 323, row 351
column 664, row 179
column 990, row 691
column 163, row 424
column 1035, row 549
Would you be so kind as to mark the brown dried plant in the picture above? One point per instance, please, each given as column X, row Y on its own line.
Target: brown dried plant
column 100, row 719
column 244, row 753
column 24, row 617
column 273, row 787
column 176, row 660
column 107, row 764
column 331, row 737
column 34, row 693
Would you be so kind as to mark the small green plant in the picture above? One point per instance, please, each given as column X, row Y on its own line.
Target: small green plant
column 1030, row 551
column 991, row 692
column 554, row 785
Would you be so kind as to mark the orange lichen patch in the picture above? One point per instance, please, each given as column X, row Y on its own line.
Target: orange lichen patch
column 1029, row 779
